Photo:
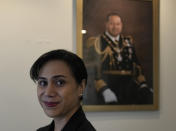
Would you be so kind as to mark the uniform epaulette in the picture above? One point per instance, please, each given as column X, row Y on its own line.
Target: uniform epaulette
column 91, row 41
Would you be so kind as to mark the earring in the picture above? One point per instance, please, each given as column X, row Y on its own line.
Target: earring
column 81, row 96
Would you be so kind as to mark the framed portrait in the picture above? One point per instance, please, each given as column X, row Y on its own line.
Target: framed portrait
column 118, row 41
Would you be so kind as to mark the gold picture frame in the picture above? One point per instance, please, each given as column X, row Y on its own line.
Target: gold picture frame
column 154, row 61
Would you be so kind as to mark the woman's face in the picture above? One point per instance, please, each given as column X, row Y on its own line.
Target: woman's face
column 58, row 92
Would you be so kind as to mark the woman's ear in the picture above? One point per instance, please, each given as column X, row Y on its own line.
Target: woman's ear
column 82, row 86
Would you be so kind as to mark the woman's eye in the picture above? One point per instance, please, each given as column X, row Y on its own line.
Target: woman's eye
column 60, row 82
column 42, row 83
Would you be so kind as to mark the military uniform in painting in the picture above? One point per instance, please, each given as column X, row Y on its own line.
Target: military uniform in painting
column 118, row 69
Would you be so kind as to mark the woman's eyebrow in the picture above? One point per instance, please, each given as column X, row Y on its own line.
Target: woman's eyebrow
column 53, row 77
column 58, row 76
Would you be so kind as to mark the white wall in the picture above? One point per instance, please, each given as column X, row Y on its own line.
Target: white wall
column 29, row 28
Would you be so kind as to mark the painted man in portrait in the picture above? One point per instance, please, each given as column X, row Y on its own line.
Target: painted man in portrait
column 119, row 78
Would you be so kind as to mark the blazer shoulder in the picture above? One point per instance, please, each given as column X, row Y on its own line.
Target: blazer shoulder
column 86, row 126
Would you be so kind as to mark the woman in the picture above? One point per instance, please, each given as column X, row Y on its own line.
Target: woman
column 61, row 77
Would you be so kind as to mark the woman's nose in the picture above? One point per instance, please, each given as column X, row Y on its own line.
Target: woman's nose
column 50, row 90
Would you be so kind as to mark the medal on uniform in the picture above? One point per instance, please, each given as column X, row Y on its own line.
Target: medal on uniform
column 118, row 50
column 130, row 51
column 127, row 43
column 119, row 57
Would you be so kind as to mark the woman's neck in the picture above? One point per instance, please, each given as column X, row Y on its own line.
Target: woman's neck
column 61, row 121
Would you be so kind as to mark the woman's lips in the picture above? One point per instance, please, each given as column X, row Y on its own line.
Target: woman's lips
column 51, row 104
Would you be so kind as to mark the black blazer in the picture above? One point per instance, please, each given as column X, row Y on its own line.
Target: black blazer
column 78, row 122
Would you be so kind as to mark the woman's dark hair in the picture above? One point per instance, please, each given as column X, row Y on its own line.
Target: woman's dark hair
column 74, row 62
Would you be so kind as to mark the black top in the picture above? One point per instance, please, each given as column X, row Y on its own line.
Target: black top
column 78, row 122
